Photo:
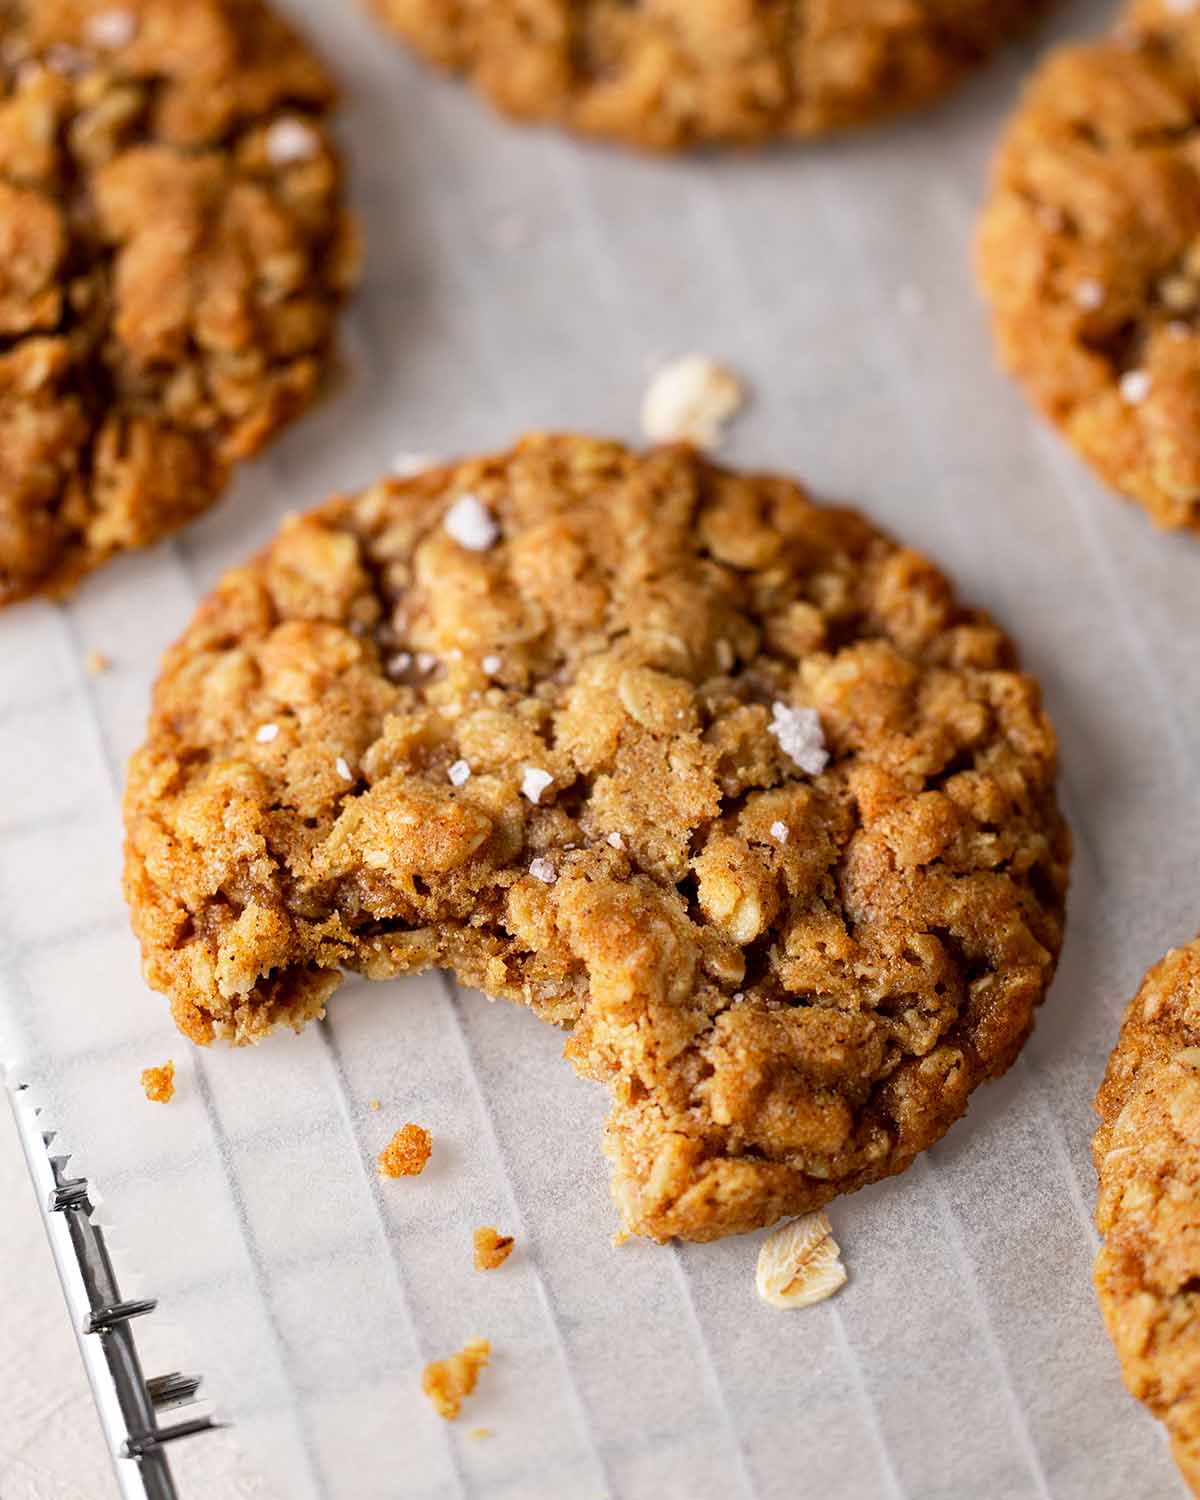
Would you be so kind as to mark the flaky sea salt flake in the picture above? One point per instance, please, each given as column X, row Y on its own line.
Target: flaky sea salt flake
column 491, row 665
column 459, row 773
column 1089, row 294
column 541, row 869
column 1134, row 387
column 111, row 29
column 534, row 783
column 289, row 141
column 343, row 768
column 779, row 831
column 266, row 733
column 800, row 736
column 471, row 524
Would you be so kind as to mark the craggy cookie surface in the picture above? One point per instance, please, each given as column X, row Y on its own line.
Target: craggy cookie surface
column 1089, row 251
column 172, row 251
column 722, row 779
column 680, row 72
column 1147, row 1153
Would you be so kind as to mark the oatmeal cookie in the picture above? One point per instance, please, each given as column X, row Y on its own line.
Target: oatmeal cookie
column 1089, row 252
column 721, row 779
column 173, row 248
column 685, row 72
column 1147, row 1154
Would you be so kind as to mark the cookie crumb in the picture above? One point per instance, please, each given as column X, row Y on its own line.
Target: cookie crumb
column 375, row 1104
column 459, row 773
column 343, row 768
column 471, row 524
column 492, row 1248
column 541, row 869
column 447, row 1381
column 1089, row 295
column 800, row 1263
column 159, row 1083
column 491, row 665
column 96, row 663
column 1134, row 386
column 534, row 782
column 690, row 400
column 779, row 831
column 800, row 736
column 477, row 1434
column 289, row 141
column 111, row 29
column 266, row 733
column 406, row 1153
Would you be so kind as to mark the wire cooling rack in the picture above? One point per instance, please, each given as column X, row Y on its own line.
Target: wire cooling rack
column 131, row 1406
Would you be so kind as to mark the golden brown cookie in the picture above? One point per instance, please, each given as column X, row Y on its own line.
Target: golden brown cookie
column 173, row 248
column 721, row 779
column 1147, row 1154
column 1089, row 252
column 685, row 72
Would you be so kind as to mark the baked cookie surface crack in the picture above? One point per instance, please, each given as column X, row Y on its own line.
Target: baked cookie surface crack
column 545, row 751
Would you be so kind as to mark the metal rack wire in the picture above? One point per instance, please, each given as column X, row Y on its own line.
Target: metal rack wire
column 130, row 1405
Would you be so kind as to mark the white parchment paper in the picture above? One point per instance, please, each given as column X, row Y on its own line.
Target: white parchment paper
column 518, row 279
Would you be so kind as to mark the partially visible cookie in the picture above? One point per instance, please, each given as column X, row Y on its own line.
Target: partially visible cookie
column 1089, row 252
column 686, row 72
column 173, row 248
column 1147, row 1153
column 723, row 780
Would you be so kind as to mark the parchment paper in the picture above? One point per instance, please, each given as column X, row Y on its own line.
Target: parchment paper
column 518, row 279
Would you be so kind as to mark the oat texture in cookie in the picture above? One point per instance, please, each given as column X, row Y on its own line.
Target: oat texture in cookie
column 172, row 252
column 1089, row 253
column 1147, row 1153
column 755, row 808
column 686, row 72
